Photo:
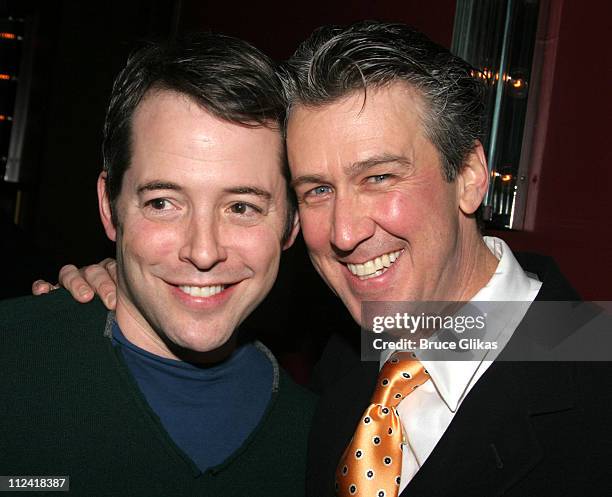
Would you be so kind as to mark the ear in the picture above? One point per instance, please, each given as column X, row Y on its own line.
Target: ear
column 105, row 208
column 295, row 229
column 473, row 180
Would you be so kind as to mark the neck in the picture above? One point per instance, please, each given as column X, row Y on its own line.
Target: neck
column 477, row 265
column 142, row 334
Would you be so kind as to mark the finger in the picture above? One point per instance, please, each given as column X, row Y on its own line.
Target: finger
column 40, row 287
column 108, row 294
column 101, row 280
column 71, row 279
column 111, row 267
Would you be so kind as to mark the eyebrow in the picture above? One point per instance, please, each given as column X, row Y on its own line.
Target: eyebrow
column 239, row 190
column 158, row 185
column 249, row 190
column 355, row 168
column 359, row 167
column 307, row 178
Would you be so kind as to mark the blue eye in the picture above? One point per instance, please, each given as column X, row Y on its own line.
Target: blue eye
column 379, row 178
column 319, row 190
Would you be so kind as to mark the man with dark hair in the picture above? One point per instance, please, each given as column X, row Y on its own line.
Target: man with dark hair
column 164, row 396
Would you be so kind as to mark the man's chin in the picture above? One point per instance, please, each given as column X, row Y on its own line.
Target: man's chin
column 205, row 349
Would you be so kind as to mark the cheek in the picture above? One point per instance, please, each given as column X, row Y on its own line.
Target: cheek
column 396, row 213
column 259, row 248
column 150, row 242
column 427, row 209
column 315, row 226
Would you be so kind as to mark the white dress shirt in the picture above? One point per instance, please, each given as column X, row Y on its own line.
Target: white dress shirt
column 428, row 411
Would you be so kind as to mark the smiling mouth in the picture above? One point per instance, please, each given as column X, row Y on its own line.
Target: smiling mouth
column 374, row 267
column 202, row 291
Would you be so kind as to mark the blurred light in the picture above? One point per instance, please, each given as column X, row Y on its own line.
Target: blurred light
column 2, row 117
column 5, row 76
column 490, row 77
column 7, row 36
column 506, row 177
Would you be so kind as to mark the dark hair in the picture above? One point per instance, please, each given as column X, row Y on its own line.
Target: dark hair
column 336, row 61
column 226, row 76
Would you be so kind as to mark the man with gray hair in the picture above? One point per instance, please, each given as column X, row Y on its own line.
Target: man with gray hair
column 383, row 135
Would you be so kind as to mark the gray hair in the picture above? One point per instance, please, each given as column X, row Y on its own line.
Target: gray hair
column 336, row 61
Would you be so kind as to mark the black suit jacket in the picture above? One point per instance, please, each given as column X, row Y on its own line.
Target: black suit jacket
column 525, row 429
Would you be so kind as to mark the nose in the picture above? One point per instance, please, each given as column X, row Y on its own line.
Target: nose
column 351, row 223
column 202, row 245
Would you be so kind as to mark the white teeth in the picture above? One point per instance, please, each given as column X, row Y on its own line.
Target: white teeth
column 202, row 291
column 369, row 268
column 374, row 267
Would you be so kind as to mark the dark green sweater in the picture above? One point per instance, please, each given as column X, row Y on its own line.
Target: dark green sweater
column 69, row 406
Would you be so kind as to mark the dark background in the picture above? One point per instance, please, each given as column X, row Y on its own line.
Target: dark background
column 82, row 45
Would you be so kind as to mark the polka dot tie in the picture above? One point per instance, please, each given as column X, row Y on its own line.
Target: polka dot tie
column 372, row 463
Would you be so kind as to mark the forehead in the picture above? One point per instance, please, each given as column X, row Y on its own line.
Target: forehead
column 362, row 124
column 172, row 134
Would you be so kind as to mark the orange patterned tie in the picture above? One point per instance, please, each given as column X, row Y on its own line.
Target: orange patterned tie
column 372, row 463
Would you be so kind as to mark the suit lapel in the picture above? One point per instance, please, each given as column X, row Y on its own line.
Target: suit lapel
column 487, row 446
column 491, row 443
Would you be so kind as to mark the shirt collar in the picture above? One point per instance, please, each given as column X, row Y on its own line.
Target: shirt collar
column 508, row 283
